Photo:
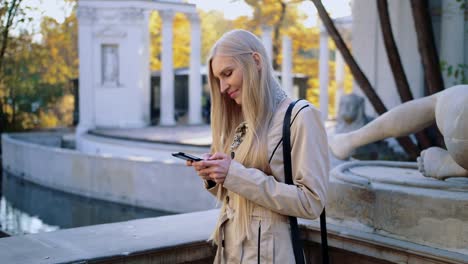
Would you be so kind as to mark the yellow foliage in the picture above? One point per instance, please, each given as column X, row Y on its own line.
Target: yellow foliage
column 28, row 120
column 60, row 61
column 348, row 81
column 313, row 90
column 47, row 119
column 181, row 41
column 213, row 26
column 155, row 41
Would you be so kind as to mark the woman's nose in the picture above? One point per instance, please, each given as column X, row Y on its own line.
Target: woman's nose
column 224, row 86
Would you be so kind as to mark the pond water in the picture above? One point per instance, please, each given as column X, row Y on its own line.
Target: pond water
column 27, row 208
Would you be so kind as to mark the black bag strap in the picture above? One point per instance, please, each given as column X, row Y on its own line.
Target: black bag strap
column 296, row 241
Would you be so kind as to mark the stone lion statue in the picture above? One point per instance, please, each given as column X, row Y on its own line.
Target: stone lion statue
column 351, row 114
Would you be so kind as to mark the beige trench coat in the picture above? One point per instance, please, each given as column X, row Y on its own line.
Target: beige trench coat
column 274, row 199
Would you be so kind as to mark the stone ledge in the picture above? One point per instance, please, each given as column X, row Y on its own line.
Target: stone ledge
column 182, row 238
column 364, row 241
column 165, row 236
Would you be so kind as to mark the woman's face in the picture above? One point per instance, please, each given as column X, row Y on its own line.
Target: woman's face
column 229, row 75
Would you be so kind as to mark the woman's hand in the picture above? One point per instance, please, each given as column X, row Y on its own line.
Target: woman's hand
column 198, row 167
column 215, row 168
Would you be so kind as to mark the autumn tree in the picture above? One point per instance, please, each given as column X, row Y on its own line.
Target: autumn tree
column 36, row 88
column 12, row 14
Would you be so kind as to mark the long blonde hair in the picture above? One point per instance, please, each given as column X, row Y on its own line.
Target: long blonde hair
column 258, row 105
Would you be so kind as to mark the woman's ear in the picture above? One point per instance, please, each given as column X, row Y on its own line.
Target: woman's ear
column 258, row 60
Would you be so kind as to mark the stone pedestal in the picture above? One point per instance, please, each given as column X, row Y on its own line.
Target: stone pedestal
column 394, row 199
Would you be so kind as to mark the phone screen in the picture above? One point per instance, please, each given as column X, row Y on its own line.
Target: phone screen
column 185, row 156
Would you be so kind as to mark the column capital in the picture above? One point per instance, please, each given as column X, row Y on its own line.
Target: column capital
column 167, row 15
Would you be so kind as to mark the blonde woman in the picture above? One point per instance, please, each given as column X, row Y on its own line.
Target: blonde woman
column 245, row 169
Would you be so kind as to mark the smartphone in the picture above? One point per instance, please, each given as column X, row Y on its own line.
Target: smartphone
column 185, row 156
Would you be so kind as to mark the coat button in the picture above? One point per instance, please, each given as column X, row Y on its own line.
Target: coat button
column 233, row 154
column 227, row 198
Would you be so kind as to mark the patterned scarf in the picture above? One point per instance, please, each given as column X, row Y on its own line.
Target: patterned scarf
column 241, row 129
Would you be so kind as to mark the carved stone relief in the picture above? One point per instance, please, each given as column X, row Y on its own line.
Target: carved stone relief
column 110, row 64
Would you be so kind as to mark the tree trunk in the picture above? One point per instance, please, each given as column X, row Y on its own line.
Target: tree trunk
column 393, row 56
column 426, row 45
column 11, row 14
column 359, row 76
column 276, row 35
column 429, row 55
column 2, row 118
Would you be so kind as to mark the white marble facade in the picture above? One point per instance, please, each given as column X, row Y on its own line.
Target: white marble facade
column 114, row 81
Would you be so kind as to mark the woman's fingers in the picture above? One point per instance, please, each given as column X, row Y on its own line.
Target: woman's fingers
column 214, row 167
column 208, row 170
column 206, row 156
column 218, row 155
column 199, row 165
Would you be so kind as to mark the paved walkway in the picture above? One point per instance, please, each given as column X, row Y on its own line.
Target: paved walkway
column 192, row 135
column 199, row 136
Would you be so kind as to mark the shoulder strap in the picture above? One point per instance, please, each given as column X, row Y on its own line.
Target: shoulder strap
column 296, row 241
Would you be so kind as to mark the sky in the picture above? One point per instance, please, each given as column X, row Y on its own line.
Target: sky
column 59, row 9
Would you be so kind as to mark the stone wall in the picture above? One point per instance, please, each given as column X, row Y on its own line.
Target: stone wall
column 168, row 186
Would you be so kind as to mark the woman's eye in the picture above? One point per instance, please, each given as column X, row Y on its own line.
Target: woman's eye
column 227, row 74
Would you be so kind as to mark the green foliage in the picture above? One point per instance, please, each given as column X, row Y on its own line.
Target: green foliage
column 35, row 84
column 462, row 4
column 457, row 72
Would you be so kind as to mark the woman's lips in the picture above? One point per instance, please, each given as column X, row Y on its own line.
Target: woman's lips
column 233, row 94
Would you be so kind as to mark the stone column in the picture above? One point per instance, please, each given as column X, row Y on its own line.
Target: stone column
column 195, row 90
column 86, row 18
column 323, row 72
column 452, row 37
column 167, row 72
column 267, row 41
column 286, row 68
column 339, row 78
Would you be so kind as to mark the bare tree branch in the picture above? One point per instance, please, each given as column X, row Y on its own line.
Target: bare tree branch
column 394, row 60
column 426, row 45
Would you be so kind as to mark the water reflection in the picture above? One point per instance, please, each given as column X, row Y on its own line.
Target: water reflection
column 29, row 208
